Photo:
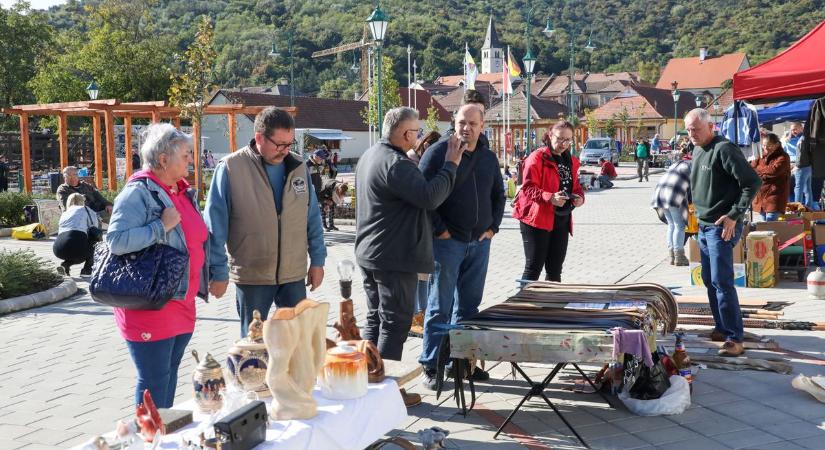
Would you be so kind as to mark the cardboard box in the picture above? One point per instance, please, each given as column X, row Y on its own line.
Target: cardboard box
column 809, row 217
column 763, row 259
column 785, row 231
column 694, row 256
column 739, row 274
column 818, row 234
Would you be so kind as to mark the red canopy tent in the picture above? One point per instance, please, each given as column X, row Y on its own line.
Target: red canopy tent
column 797, row 73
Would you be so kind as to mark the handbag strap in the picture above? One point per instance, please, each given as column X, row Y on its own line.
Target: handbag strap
column 91, row 222
column 154, row 193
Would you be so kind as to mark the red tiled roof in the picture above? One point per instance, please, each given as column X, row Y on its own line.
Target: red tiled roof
column 647, row 103
column 422, row 99
column 541, row 108
column 452, row 101
column 313, row 112
column 456, row 80
column 691, row 73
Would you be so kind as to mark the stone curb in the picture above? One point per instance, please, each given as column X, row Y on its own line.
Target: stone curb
column 652, row 171
column 64, row 290
column 5, row 232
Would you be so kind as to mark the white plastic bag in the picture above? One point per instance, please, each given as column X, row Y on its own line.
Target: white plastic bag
column 675, row 400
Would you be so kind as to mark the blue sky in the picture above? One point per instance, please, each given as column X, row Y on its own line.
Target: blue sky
column 36, row 4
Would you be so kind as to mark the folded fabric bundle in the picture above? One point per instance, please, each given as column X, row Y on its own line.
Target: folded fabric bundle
column 633, row 342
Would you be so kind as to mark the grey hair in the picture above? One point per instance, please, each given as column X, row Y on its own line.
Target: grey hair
column 161, row 139
column 699, row 113
column 76, row 199
column 395, row 117
column 68, row 169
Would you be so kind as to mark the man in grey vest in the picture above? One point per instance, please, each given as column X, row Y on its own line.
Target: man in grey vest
column 263, row 210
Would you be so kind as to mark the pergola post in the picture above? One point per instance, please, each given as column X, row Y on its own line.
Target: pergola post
column 196, row 141
column 127, row 135
column 64, row 140
column 110, row 149
column 176, row 122
column 155, row 116
column 98, row 151
column 233, row 137
column 26, row 154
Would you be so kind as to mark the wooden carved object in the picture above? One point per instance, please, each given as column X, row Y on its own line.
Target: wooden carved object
column 295, row 339
column 346, row 325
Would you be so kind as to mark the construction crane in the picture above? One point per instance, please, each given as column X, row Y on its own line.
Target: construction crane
column 363, row 45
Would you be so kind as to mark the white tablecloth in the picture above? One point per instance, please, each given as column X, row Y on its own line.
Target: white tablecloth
column 339, row 424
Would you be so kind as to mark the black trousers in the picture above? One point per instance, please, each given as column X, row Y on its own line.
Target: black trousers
column 73, row 247
column 545, row 249
column 391, row 300
column 328, row 215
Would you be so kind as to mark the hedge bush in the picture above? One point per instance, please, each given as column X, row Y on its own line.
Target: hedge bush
column 11, row 208
column 22, row 272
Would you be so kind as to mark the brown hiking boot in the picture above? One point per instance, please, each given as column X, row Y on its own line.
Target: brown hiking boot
column 672, row 256
column 717, row 336
column 679, row 258
column 731, row 348
column 410, row 400
column 418, row 324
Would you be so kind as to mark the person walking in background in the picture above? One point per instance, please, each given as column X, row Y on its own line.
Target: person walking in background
column 790, row 143
column 671, row 198
column 4, row 174
column 73, row 243
column 463, row 227
column 774, row 169
column 263, row 210
column 544, row 206
column 157, row 338
column 642, row 156
column 332, row 195
column 723, row 185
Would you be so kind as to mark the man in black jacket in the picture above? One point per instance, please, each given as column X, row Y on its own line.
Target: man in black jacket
column 462, row 229
column 393, row 231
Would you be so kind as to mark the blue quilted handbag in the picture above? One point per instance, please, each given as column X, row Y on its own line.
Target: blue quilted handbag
column 146, row 279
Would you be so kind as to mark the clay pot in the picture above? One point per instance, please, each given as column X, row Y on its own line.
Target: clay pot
column 247, row 359
column 344, row 375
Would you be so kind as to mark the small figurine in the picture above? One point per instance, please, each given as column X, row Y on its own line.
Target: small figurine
column 148, row 419
column 433, row 438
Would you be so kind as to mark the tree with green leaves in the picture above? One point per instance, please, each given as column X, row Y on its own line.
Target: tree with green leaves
column 590, row 119
column 390, row 94
column 193, row 80
column 623, row 117
column 432, row 118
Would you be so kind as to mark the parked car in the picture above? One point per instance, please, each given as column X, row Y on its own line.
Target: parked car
column 596, row 148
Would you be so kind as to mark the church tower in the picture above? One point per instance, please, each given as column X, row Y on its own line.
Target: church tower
column 492, row 55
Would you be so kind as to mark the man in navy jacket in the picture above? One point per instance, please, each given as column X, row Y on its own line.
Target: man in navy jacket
column 462, row 229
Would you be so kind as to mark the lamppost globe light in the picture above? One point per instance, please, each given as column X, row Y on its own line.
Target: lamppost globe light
column 676, row 95
column 698, row 101
column 548, row 30
column 93, row 90
column 274, row 52
column 378, row 22
column 529, row 62
column 589, row 47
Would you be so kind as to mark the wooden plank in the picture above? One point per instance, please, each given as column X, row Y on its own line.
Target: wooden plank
column 64, row 105
column 26, row 154
column 110, row 149
column 401, row 372
column 176, row 122
column 64, row 140
column 127, row 135
column 703, row 299
column 98, row 151
column 233, row 137
column 155, row 116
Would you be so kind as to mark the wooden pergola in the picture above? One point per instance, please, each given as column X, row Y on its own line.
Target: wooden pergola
column 110, row 110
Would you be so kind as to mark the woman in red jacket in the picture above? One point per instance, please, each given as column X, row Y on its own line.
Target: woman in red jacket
column 545, row 203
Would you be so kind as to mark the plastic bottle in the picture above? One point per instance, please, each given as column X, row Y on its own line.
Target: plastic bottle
column 682, row 360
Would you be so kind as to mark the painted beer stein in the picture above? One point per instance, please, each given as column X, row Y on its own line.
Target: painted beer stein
column 344, row 375
column 246, row 361
column 208, row 381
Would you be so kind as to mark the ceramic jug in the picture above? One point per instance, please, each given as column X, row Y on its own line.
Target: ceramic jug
column 344, row 375
column 207, row 380
column 247, row 359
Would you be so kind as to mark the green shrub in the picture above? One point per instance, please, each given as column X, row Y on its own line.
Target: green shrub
column 22, row 272
column 11, row 208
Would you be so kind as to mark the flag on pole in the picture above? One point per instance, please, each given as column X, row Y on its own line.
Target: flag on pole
column 512, row 65
column 470, row 69
column 506, row 85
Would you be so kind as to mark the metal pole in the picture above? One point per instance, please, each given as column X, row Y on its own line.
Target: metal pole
column 415, row 78
column 369, row 92
column 570, row 81
column 291, row 74
column 529, row 136
column 409, row 82
column 675, row 124
column 380, row 88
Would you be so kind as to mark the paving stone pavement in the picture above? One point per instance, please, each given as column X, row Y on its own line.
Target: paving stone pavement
column 67, row 375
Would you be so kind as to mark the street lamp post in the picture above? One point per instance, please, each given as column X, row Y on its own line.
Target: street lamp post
column 676, row 95
column 378, row 22
column 529, row 64
column 93, row 90
column 274, row 53
column 698, row 100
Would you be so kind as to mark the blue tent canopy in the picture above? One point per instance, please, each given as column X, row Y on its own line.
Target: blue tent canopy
column 786, row 112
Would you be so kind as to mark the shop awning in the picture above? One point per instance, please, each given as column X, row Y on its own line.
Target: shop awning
column 329, row 135
column 786, row 112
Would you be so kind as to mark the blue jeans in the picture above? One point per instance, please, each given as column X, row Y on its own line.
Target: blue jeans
column 675, row 228
column 604, row 182
column 456, row 289
column 250, row 297
column 717, row 274
column 769, row 216
column 802, row 189
column 421, row 293
column 157, row 365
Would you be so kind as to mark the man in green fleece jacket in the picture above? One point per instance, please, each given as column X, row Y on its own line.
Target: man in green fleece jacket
column 723, row 185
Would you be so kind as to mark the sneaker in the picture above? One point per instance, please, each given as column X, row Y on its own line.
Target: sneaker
column 717, row 336
column 86, row 272
column 429, row 378
column 333, row 228
column 65, row 269
column 410, row 400
column 731, row 348
column 61, row 271
column 479, row 374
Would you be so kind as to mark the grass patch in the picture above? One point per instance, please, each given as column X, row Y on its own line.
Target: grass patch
column 22, row 273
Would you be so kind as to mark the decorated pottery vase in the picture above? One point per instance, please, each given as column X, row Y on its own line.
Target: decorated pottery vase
column 208, row 381
column 247, row 359
column 344, row 375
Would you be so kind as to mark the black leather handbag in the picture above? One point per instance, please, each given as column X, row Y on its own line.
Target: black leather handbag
column 146, row 279
column 242, row 429
column 94, row 233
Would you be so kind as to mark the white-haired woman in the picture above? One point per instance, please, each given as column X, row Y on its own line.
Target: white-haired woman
column 157, row 339
column 73, row 244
